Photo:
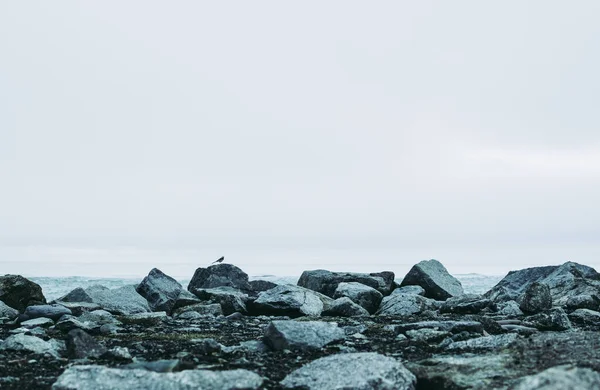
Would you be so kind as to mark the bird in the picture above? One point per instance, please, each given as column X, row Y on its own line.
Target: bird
column 220, row 260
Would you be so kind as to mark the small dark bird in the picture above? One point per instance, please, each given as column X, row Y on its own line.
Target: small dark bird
column 220, row 260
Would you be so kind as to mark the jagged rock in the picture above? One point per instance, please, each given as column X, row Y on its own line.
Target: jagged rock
column 404, row 305
column 81, row 345
column 40, row 322
column 292, row 301
column 219, row 275
column 160, row 290
column 501, row 294
column 326, row 282
column 202, row 309
column 553, row 319
column 361, row 294
column 585, row 316
column 303, row 335
column 21, row 342
column 104, row 378
column 123, row 300
column 68, row 323
column 76, row 295
column 435, row 280
column 561, row 378
column 591, row 302
column 184, row 299
column 410, row 290
column 100, row 317
column 352, row 371
column 53, row 312
column 261, row 285
column 537, row 298
column 427, row 335
column 467, row 304
column 230, row 299
column 344, row 307
column 7, row 311
column 446, row 326
column 78, row 308
column 483, row 344
column 19, row 292
column 509, row 308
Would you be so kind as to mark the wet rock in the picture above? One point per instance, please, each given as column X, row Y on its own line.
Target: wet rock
column 123, row 300
column 160, row 290
column 7, row 311
column 427, row 335
column 53, row 312
column 163, row 366
column 22, row 342
column 213, row 309
column 352, row 371
column 103, row 378
column 76, row 295
column 586, row 301
column 303, row 335
column 100, row 317
column 81, row 345
column 184, row 299
column 554, row 319
column 344, row 307
column 561, row 378
column 292, row 301
column 190, row 315
column 483, row 344
column 19, row 292
column 404, row 305
column 230, row 299
column 120, row 354
column 585, row 316
column 447, row 326
column 148, row 319
column 410, row 290
column 435, row 280
column 467, row 304
column 362, row 295
column 219, row 275
column 41, row 322
column 261, row 285
column 326, row 282
column 78, row 308
column 509, row 308
column 537, row 298
column 520, row 329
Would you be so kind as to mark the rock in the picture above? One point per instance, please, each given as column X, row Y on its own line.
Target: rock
column 435, row 280
column 585, row 316
column 213, row 309
column 68, row 323
column 292, row 301
column 103, row 378
column 37, row 323
column 404, row 305
column 78, row 308
column 344, row 307
column 410, row 290
column 123, row 300
column 190, row 315
column 81, row 345
column 561, row 378
column 446, row 326
column 230, row 299
column 19, row 292
column 100, row 317
column 427, row 335
column 76, row 295
column 305, row 335
column 591, row 302
column 7, row 311
column 352, row 371
column 21, row 342
column 207, row 346
column 219, row 275
column 53, row 312
column 537, row 298
column 554, row 319
column 148, row 319
column 184, row 299
column 519, row 329
column 170, row 365
column 362, row 295
column 467, row 304
column 509, row 308
column 121, row 354
column 483, row 344
column 160, row 290
column 326, row 282
column 261, row 285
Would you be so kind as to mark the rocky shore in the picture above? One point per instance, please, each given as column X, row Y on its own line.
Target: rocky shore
column 538, row 328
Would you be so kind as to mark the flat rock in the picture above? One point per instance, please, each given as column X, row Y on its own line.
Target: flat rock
column 352, row 371
column 292, row 301
column 326, row 282
column 536, row 298
column 561, row 378
column 53, row 312
column 160, row 290
column 123, row 300
column 344, row 307
column 22, row 342
column 467, row 304
column 103, row 378
column 435, row 280
column 427, row 335
column 19, row 292
column 404, row 305
column 213, row 309
column 219, row 275
column 363, row 295
column 304, row 335
column 447, row 326
column 410, row 290
column 78, row 308
column 483, row 344
column 41, row 322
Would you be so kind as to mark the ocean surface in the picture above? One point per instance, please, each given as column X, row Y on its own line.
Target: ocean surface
column 55, row 287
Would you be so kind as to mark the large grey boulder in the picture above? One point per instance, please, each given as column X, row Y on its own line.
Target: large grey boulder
column 561, row 378
column 261, row 285
column 302, row 335
column 220, row 275
column 123, row 300
column 326, row 282
column 230, row 299
column 292, row 301
column 584, row 301
column 404, row 305
column 435, row 280
column 160, row 290
column 344, row 307
column 104, row 378
column 467, row 304
column 53, row 312
column 361, row 294
column 81, row 345
column 7, row 311
column 352, row 371
column 536, row 298
column 585, row 316
column 19, row 292
column 22, row 342
column 76, row 295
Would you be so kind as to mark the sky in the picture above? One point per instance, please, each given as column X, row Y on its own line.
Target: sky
column 286, row 136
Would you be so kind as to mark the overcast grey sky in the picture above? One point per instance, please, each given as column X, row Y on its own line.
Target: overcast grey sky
column 467, row 131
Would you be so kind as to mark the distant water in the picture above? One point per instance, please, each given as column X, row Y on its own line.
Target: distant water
column 56, row 287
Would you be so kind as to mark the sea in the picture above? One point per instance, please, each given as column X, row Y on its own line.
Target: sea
column 56, row 287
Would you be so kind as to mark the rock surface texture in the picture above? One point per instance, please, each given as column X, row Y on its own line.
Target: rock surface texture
column 19, row 292
column 435, row 280
column 326, row 282
column 160, row 290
